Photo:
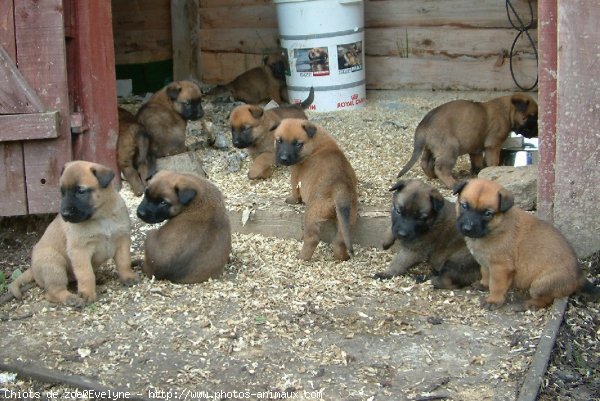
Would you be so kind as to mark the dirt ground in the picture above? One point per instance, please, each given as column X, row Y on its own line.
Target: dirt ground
column 274, row 328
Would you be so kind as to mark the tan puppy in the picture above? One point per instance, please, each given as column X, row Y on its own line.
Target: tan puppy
column 194, row 244
column 461, row 126
column 322, row 178
column 260, row 84
column 251, row 129
column 92, row 227
column 165, row 115
column 425, row 225
column 515, row 248
column 133, row 156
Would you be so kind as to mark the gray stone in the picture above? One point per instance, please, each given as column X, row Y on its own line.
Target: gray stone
column 521, row 181
column 187, row 162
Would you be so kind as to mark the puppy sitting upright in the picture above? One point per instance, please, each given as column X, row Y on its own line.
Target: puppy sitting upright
column 461, row 126
column 251, row 128
column 165, row 115
column 322, row 178
column 92, row 227
column 194, row 244
column 515, row 248
column 133, row 156
column 425, row 224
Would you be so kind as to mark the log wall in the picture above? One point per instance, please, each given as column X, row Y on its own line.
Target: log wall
column 421, row 44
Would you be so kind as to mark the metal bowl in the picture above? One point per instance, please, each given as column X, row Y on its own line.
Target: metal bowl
column 520, row 156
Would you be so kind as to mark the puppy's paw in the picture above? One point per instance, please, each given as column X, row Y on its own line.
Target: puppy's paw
column 131, row 280
column 292, row 200
column 491, row 305
column 382, row 276
column 74, row 301
column 477, row 285
column 88, row 296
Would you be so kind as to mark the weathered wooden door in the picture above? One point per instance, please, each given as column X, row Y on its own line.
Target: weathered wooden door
column 57, row 97
column 35, row 137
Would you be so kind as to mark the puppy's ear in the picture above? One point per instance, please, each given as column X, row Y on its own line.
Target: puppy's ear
column 310, row 129
column 459, row 186
column 506, row 200
column 173, row 90
column 520, row 102
column 274, row 126
column 437, row 200
column 398, row 186
column 185, row 195
column 104, row 175
column 256, row 111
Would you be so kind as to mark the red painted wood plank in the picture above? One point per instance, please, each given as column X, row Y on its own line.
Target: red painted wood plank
column 547, row 70
column 95, row 92
column 26, row 127
column 13, row 200
column 15, row 94
column 41, row 59
column 7, row 28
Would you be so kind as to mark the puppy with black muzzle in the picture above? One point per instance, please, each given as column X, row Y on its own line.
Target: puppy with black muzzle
column 251, row 128
column 165, row 115
column 259, row 84
column 194, row 243
column 425, row 225
column 133, row 156
column 464, row 127
column 322, row 178
column 92, row 227
column 515, row 248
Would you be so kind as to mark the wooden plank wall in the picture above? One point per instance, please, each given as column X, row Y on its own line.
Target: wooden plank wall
column 142, row 31
column 423, row 44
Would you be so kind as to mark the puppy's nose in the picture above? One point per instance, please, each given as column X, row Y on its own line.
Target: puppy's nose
column 466, row 227
column 402, row 233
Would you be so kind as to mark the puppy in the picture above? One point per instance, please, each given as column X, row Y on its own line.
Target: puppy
column 251, row 129
column 461, row 126
column 319, row 59
column 194, row 244
column 165, row 115
column 425, row 224
column 322, row 178
column 515, row 248
column 260, row 84
column 133, row 156
column 92, row 227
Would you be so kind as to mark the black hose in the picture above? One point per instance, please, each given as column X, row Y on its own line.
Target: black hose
column 522, row 28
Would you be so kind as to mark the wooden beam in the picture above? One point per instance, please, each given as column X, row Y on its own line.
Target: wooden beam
column 185, row 37
column 576, row 194
column 95, row 92
column 25, row 127
column 286, row 221
column 547, row 71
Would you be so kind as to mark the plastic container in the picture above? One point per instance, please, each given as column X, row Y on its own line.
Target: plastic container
column 324, row 42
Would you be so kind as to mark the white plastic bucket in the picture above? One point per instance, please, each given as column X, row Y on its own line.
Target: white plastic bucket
column 324, row 42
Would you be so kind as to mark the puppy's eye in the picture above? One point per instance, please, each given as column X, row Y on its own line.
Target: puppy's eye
column 81, row 191
column 279, row 140
column 423, row 216
column 163, row 203
column 398, row 210
column 489, row 213
column 299, row 145
column 464, row 205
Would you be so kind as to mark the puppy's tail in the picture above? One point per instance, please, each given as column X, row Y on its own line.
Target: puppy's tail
column 342, row 211
column 419, row 144
column 15, row 287
column 308, row 101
